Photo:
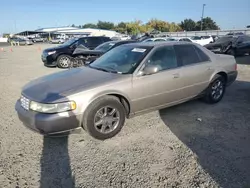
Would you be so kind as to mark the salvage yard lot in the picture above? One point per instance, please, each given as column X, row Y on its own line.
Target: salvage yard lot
column 190, row 145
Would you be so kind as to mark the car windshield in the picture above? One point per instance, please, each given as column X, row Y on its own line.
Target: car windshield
column 105, row 46
column 122, row 59
column 224, row 39
column 69, row 42
column 171, row 39
column 148, row 40
column 196, row 38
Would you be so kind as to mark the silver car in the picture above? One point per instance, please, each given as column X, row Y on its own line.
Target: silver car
column 129, row 80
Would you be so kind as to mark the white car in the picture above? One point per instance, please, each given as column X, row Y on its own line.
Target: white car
column 155, row 39
column 179, row 39
column 202, row 40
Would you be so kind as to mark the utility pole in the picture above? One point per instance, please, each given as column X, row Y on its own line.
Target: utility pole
column 203, row 6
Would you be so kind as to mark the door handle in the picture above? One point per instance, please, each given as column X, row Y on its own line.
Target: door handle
column 176, row 75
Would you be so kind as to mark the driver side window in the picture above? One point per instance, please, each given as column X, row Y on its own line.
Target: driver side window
column 164, row 58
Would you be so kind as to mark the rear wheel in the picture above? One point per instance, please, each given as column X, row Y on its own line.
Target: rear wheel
column 216, row 90
column 104, row 118
column 63, row 61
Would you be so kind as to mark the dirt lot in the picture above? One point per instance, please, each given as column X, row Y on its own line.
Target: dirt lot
column 190, row 145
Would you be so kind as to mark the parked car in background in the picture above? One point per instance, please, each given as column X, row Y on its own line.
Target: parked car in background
column 202, row 40
column 128, row 80
column 231, row 44
column 57, row 41
column 155, row 39
column 19, row 41
column 60, row 55
column 179, row 39
column 83, row 55
column 39, row 39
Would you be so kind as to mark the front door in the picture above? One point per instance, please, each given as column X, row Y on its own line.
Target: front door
column 161, row 88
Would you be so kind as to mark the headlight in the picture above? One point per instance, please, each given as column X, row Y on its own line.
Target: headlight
column 52, row 52
column 52, row 108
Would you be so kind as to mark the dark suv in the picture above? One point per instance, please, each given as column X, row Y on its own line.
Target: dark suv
column 60, row 55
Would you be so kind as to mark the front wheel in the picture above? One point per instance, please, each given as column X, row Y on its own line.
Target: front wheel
column 63, row 61
column 104, row 117
column 216, row 90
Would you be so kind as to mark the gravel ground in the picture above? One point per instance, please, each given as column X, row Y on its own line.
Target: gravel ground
column 190, row 145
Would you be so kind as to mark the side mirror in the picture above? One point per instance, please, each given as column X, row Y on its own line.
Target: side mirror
column 151, row 69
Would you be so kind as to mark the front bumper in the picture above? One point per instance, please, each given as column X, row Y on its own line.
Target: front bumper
column 49, row 60
column 48, row 124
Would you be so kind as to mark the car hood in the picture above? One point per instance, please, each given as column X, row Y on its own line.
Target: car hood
column 56, row 87
column 213, row 45
column 84, row 51
column 54, row 48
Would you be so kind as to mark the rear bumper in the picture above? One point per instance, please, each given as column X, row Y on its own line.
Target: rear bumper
column 231, row 77
column 48, row 124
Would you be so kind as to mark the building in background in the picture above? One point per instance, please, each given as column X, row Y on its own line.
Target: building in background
column 74, row 31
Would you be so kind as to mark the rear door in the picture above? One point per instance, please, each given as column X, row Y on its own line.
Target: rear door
column 196, row 69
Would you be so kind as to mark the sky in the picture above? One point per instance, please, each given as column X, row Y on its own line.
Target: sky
column 20, row 15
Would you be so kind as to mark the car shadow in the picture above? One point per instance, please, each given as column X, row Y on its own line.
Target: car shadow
column 243, row 60
column 55, row 164
column 218, row 134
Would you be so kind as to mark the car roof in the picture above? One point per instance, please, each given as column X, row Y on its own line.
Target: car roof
column 155, row 44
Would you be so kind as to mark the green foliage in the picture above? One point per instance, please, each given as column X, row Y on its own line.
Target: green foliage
column 89, row 25
column 138, row 26
column 207, row 24
column 188, row 25
column 105, row 25
column 191, row 25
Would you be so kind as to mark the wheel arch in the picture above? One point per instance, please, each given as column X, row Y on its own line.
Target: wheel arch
column 220, row 73
column 123, row 98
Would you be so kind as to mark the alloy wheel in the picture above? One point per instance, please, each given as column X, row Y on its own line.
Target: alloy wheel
column 64, row 62
column 106, row 119
column 217, row 89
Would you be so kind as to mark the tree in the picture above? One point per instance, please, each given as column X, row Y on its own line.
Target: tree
column 105, row 25
column 173, row 27
column 207, row 24
column 248, row 26
column 121, row 27
column 188, row 25
column 73, row 25
column 89, row 25
column 159, row 25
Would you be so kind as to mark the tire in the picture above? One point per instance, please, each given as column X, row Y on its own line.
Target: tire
column 110, row 124
column 216, row 90
column 63, row 61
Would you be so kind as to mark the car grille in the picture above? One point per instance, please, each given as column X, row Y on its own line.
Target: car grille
column 25, row 103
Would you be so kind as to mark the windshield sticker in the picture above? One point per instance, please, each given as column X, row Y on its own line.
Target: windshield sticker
column 139, row 50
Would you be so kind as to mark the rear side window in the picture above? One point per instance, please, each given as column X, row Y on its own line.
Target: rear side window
column 106, row 39
column 187, row 40
column 186, row 54
column 159, row 40
column 203, row 57
column 94, row 41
